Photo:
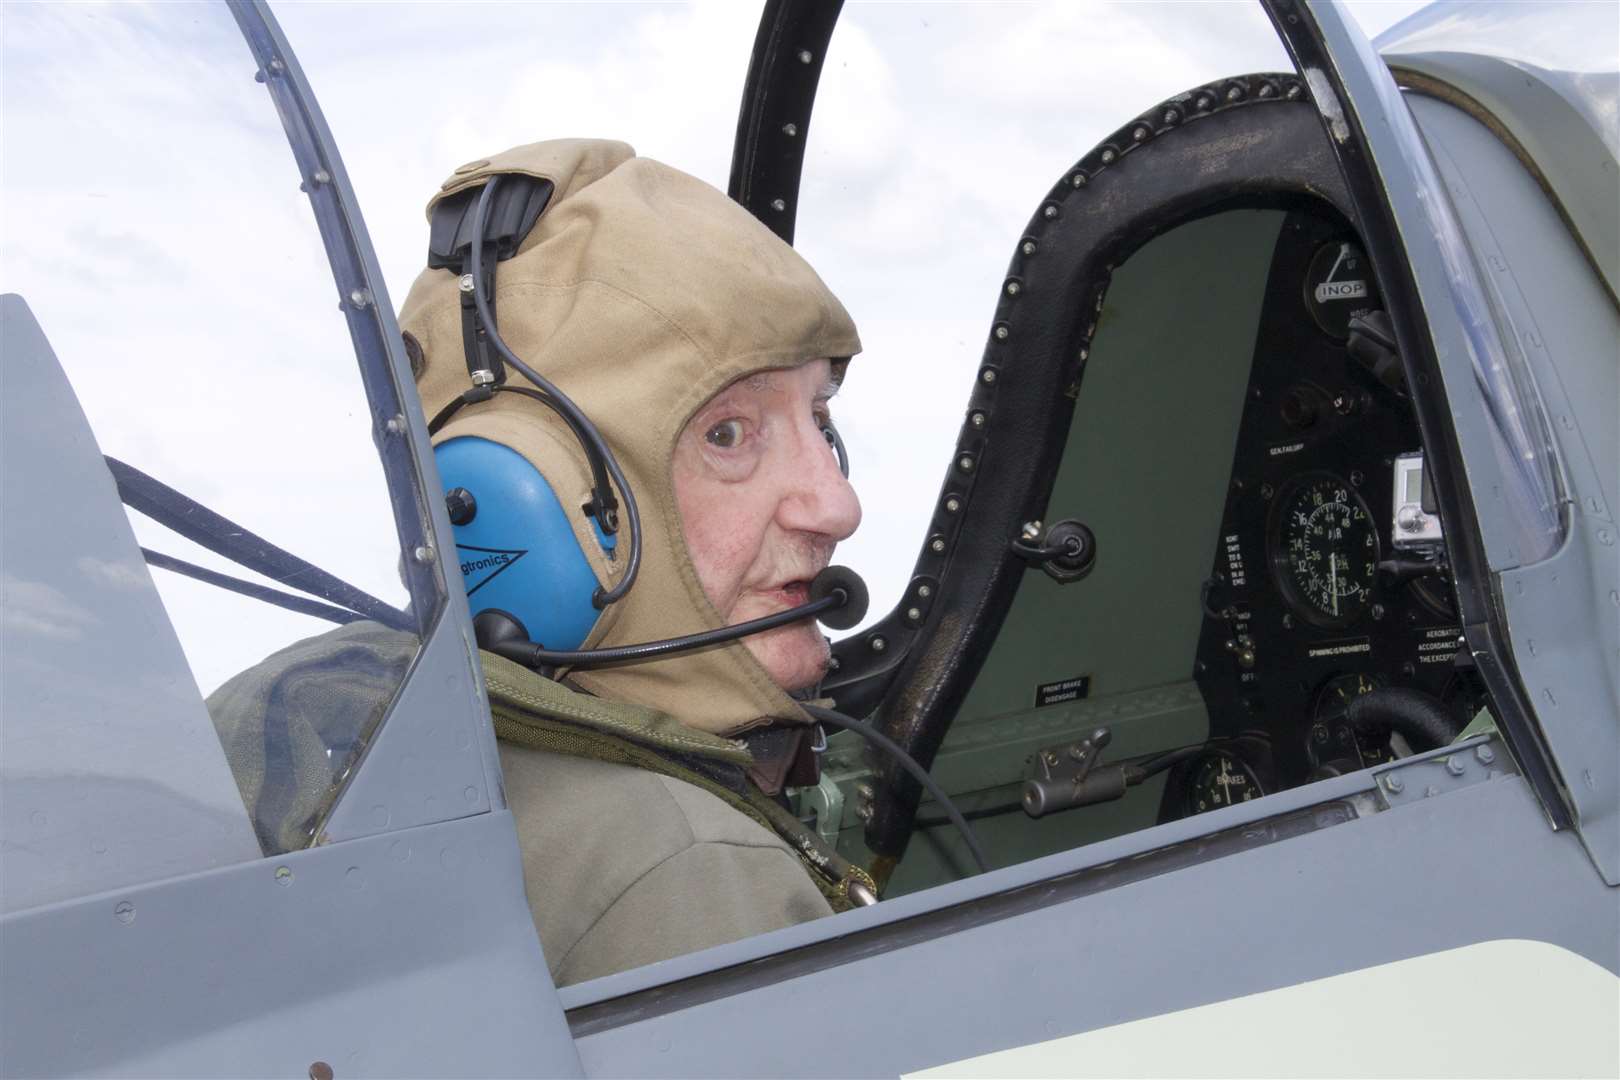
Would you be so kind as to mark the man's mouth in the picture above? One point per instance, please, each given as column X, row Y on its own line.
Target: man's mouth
column 796, row 593
column 788, row 594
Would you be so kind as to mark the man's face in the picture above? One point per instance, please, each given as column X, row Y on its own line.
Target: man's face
column 762, row 504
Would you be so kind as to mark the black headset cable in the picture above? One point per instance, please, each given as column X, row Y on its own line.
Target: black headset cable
column 883, row 742
column 590, row 437
column 522, row 651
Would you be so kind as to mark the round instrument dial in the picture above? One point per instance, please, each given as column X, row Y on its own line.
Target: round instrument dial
column 1324, row 549
column 1338, row 285
column 1220, row 778
column 1371, row 745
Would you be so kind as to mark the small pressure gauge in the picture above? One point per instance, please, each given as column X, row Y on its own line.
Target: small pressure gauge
column 1338, row 286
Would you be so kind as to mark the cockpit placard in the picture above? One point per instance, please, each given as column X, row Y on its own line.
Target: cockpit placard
column 1056, row 693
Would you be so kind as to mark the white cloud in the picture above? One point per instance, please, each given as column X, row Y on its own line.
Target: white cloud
column 123, row 576
column 857, row 119
column 35, row 609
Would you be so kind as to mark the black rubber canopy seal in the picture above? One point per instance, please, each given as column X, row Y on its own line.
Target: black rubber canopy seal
column 773, row 126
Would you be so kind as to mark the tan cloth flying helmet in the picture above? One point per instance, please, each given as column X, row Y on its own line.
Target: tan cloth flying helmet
column 641, row 293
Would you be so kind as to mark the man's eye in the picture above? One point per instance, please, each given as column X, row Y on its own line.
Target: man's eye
column 726, row 435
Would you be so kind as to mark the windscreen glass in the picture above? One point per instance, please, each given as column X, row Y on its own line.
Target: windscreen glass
column 935, row 132
column 155, row 226
column 912, row 207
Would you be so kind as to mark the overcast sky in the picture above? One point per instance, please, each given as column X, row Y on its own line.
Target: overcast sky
column 141, row 164
column 937, row 129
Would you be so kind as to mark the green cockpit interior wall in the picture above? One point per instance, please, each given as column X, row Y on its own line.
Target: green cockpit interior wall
column 1147, row 465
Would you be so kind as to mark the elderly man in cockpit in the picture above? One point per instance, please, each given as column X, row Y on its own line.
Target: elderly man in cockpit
column 705, row 351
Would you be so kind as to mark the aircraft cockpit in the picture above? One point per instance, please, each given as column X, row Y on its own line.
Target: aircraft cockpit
column 1185, row 554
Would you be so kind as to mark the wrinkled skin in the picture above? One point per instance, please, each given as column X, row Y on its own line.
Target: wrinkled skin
column 763, row 504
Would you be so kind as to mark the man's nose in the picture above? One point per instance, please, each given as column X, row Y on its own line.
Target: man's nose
column 819, row 498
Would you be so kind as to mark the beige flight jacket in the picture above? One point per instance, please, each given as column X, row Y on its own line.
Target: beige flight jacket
column 624, row 866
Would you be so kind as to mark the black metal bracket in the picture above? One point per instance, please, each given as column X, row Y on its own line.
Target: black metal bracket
column 517, row 204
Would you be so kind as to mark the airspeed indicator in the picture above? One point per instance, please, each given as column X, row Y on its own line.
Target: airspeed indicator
column 1324, row 549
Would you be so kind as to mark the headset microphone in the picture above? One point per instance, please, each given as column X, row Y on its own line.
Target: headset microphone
column 829, row 583
column 838, row 598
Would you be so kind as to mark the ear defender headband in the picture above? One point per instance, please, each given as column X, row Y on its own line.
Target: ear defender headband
column 521, row 562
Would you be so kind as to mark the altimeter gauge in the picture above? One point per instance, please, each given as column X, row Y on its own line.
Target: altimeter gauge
column 1324, row 549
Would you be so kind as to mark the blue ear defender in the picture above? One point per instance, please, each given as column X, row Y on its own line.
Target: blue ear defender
column 517, row 549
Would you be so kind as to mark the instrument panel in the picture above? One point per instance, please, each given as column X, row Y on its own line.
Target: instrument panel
column 1310, row 601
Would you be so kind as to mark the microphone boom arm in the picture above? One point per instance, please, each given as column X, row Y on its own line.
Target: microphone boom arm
column 837, row 593
column 532, row 655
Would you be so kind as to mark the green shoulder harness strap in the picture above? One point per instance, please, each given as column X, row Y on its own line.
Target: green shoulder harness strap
column 534, row 711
